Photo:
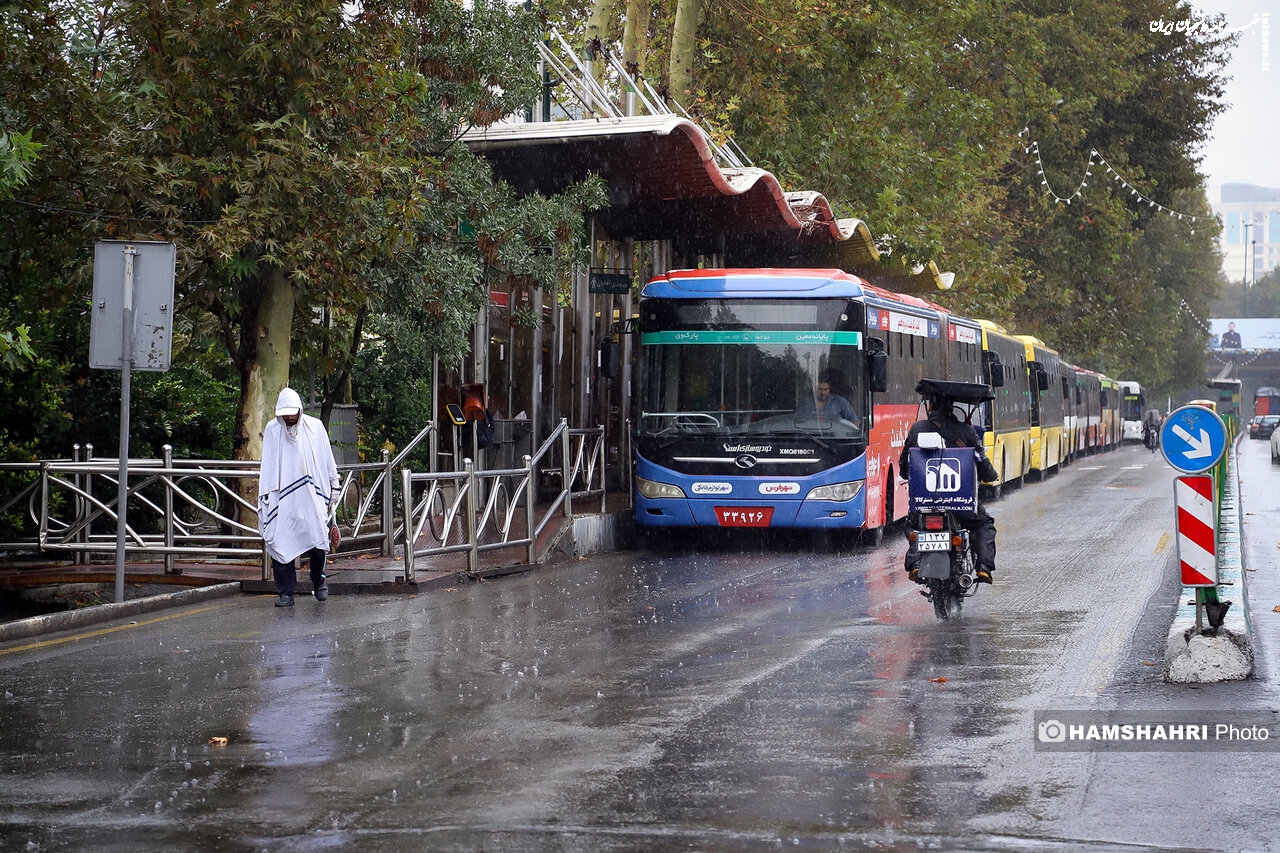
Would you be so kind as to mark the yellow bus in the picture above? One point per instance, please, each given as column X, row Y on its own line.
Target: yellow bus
column 1007, row 417
column 1048, row 406
column 1112, row 403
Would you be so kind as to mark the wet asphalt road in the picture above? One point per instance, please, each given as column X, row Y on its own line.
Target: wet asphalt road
column 762, row 694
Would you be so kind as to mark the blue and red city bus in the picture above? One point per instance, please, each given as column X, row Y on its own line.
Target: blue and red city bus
column 728, row 429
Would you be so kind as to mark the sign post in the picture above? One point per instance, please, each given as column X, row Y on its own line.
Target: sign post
column 131, row 328
column 1193, row 440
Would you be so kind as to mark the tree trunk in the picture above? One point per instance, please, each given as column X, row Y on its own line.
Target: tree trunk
column 269, row 374
column 264, row 363
column 684, row 49
column 598, row 25
column 264, row 371
column 635, row 36
column 598, row 37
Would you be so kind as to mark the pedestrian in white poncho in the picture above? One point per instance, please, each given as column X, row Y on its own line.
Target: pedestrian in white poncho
column 297, row 485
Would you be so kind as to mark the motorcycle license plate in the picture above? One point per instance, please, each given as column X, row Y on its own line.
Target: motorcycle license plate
column 940, row 541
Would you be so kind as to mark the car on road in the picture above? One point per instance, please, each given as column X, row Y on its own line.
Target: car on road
column 1275, row 447
column 1263, row 426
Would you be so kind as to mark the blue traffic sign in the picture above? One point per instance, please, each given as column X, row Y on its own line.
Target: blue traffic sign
column 1193, row 439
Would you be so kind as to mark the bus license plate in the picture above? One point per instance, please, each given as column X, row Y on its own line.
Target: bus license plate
column 744, row 516
column 933, row 541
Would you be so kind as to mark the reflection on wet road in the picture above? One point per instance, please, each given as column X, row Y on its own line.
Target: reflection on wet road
column 743, row 694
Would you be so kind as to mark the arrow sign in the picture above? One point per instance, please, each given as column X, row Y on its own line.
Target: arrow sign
column 1201, row 447
column 1193, row 439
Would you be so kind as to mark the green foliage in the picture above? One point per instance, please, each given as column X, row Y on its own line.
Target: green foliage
column 269, row 137
column 910, row 114
column 1262, row 298
column 393, row 388
column 17, row 153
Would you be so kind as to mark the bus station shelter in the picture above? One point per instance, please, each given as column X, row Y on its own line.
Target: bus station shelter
column 673, row 204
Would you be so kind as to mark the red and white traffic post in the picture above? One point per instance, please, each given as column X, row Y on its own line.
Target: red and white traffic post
column 1197, row 523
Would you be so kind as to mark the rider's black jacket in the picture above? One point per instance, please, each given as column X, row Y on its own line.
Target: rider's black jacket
column 955, row 433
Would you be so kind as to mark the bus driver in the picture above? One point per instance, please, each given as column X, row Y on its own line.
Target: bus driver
column 824, row 404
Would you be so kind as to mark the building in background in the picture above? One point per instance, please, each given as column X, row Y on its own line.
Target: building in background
column 1250, row 217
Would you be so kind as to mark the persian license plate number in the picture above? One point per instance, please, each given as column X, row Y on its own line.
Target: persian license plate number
column 744, row 516
column 934, row 542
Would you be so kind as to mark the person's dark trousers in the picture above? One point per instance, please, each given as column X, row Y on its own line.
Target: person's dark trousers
column 982, row 531
column 286, row 574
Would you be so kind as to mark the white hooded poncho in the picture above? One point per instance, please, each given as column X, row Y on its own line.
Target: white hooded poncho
column 299, row 478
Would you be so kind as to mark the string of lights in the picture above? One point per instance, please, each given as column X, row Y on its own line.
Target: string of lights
column 1032, row 147
column 1234, row 362
column 1185, row 308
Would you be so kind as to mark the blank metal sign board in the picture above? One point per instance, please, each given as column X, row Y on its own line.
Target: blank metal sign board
column 153, row 274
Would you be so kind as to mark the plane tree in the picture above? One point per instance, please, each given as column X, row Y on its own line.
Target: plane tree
column 304, row 157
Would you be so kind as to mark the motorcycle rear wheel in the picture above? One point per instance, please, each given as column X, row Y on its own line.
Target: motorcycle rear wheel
column 946, row 598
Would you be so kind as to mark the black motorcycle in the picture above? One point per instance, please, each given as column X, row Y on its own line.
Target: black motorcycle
column 936, row 538
column 943, row 491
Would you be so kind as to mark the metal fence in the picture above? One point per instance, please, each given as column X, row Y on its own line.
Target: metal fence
column 196, row 509
column 472, row 510
column 177, row 508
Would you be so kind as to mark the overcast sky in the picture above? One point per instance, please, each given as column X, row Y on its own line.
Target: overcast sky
column 1245, row 145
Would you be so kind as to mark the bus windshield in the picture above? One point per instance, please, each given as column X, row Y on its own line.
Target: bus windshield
column 758, row 367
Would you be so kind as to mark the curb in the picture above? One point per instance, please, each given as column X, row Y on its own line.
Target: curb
column 67, row 620
column 1203, row 659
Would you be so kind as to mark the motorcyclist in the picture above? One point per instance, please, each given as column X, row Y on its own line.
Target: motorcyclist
column 955, row 433
column 1151, row 430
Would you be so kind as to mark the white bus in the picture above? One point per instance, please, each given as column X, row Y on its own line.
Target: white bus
column 1133, row 405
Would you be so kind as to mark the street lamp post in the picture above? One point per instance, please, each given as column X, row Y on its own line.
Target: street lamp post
column 1244, row 282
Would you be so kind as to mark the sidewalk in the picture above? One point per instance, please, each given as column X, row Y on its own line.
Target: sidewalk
column 348, row 574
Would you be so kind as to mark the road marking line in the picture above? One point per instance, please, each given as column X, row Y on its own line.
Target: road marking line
column 101, row 631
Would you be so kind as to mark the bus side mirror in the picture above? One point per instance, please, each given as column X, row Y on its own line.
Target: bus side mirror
column 878, row 371
column 995, row 369
column 1042, row 375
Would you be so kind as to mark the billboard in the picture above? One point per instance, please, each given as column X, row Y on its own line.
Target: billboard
column 1253, row 333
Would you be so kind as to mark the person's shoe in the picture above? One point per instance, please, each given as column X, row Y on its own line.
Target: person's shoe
column 322, row 592
column 983, row 575
column 285, row 600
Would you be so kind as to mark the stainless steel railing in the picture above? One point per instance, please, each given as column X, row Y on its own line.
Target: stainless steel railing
column 178, row 508
column 195, row 509
column 471, row 511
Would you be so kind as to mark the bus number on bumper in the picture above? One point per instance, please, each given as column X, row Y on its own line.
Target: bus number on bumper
column 744, row 516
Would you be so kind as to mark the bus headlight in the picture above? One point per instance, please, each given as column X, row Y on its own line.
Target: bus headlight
column 836, row 492
column 653, row 489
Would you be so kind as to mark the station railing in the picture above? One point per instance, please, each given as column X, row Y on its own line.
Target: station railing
column 471, row 511
column 192, row 509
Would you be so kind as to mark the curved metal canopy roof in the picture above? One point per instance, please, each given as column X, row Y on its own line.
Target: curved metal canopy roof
column 664, row 184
